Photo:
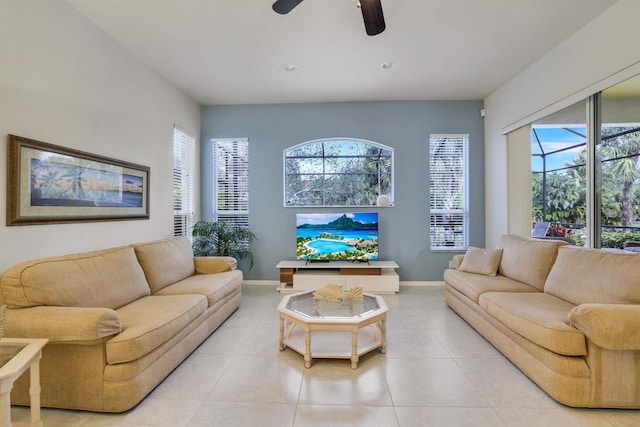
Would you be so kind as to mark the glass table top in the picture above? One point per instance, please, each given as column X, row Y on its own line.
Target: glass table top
column 304, row 304
column 8, row 351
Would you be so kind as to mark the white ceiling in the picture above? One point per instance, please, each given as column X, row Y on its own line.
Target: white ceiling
column 235, row 51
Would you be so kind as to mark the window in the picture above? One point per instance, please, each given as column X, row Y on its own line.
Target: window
column 559, row 172
column 184, row 146
column 231, row 189
column 337, row 172
column 449, row 190
column 586, row 179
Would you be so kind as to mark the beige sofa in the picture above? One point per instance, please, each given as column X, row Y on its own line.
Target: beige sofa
column 568, row 317
column 118, row 320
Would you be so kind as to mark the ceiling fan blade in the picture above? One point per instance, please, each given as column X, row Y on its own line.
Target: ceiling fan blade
column 373, row 17
column 285, row 6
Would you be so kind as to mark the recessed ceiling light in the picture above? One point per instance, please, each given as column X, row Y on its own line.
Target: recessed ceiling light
column 290, row 67
column 386, row 65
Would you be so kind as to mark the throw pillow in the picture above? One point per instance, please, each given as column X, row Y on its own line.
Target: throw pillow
column 481, row 261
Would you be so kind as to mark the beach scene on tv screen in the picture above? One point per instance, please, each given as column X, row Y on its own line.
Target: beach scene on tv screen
column 337, row 236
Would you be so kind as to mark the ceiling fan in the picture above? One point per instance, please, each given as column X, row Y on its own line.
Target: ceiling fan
column 371, row 13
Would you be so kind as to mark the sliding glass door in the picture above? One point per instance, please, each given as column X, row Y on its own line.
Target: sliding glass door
column 585, row 180
column 559, row 174
column 618, row 150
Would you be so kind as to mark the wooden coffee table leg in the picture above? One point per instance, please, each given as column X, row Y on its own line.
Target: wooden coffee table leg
column 383, row 333
column 307, row 347
column 354, row 348
column 281, row 333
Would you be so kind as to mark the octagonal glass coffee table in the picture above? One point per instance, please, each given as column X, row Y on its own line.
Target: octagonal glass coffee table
column 332, row 330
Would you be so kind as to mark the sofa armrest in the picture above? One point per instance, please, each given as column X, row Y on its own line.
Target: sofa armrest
column 456, row 261
column 62, row 324
column 610, row 326
column 214, row 264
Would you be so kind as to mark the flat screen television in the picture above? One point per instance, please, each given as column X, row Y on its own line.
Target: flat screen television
column 337, row 236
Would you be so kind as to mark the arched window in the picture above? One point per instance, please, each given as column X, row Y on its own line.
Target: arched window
column 338, row 172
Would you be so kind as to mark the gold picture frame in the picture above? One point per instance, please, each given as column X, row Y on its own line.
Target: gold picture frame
column 48, row 184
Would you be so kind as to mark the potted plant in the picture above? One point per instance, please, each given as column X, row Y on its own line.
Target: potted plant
column 212, row 238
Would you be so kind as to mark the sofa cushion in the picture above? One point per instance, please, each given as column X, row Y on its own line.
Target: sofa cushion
column 582, row 275
column 107, row 278
column 481, row 261
column 538, row 317
column 165, row 261
column 149, row 322
column 526, row 259
column 214, row 287
column 473, row 285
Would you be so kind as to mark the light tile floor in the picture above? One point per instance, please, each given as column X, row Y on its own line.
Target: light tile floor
column 437, row 372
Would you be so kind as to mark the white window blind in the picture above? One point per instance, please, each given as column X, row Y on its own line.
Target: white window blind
column 449, row 191
column 184, row 146
column 231, row 190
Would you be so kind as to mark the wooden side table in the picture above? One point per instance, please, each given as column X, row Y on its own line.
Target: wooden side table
column 16, row 356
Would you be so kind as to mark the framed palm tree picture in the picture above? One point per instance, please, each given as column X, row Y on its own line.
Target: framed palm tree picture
column 49, row 184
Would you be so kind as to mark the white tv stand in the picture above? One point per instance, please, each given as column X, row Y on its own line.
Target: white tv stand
column 375, row 276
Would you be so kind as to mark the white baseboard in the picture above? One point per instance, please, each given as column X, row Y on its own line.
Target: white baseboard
column 408, row 283
column 417, row 283
column 261, row 282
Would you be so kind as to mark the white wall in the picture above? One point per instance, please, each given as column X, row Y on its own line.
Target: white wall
column 601, row 54
column 64, row 81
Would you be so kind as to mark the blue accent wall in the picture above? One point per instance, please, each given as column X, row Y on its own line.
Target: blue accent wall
column 405, row 126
